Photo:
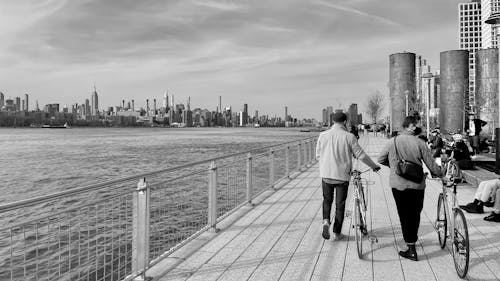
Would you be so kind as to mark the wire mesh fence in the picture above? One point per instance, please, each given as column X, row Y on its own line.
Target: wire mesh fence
column 92, row 242
column 88, row 233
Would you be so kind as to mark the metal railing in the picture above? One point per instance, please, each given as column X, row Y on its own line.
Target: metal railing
column 118, row 229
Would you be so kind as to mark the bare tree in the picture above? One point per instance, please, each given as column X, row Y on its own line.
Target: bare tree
column 375, row 106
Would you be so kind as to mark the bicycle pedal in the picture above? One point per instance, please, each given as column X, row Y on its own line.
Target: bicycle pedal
column 372, row 238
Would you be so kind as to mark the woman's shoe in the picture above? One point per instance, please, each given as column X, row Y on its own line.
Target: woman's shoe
column 410, row 254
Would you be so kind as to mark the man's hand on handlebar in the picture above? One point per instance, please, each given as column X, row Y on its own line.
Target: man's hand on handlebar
column 376, row 169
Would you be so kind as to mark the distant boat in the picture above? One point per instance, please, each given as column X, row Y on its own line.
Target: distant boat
column 65, row 126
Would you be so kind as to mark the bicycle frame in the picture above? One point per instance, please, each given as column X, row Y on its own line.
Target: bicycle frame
column 450, row 210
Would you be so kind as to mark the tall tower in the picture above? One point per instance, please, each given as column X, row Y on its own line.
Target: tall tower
column 286, row 113
column 26, row 102
column 245, row 114
column 94, row 109
column 488, row 31
column 165, row 100
column 18, row 104
column 471, row 38
column 2, row 100
column 133, row 105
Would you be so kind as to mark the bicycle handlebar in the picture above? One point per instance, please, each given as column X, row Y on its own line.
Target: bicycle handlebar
column 356, row 172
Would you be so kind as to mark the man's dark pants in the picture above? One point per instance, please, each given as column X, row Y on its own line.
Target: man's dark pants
column 409, row 203
column 340, row 197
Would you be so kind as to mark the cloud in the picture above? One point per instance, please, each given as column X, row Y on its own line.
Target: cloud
column 304, row 53
column 359, row 13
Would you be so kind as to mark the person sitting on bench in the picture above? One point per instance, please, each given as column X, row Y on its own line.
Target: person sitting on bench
column 484, row 196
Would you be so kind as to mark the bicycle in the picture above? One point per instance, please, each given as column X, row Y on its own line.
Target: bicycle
column 458, row 232
column 359, row 212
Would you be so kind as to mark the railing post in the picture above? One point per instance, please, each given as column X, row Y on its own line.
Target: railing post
column 140, row 232
column 313, row 151
column 212, row 197
column 306, row 148
column 271, row 168
column 287, row 161
column 299, row 160
column 249, row 179
column 305, row 154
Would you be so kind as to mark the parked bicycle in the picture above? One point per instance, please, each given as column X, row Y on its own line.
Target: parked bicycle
column 453, row 216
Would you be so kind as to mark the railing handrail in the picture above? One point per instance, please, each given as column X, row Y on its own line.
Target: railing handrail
column 74, row 191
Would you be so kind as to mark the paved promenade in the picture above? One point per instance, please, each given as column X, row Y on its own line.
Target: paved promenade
column 280, row 239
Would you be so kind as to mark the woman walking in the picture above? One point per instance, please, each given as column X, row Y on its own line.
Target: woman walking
column 408, row 194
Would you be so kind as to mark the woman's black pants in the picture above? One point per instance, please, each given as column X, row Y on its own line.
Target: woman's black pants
column 409, row 203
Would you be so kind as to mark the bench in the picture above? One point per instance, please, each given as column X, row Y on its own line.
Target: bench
column 475, row 176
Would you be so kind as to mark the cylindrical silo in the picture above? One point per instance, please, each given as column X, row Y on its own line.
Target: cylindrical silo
column 454, row 67
column 487, row 87
column 401, row 87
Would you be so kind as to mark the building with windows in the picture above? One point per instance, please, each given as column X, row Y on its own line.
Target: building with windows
column 26, row 102
column 471, row 37
column 94, row 109
column 488, row 31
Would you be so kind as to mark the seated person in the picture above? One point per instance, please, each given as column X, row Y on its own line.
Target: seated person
column 460, row 152
column 485, row 194
column 495, row 214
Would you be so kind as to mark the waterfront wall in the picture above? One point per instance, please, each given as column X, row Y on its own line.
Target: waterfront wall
column 487, row 88
column 454, row 67
column 401, row 86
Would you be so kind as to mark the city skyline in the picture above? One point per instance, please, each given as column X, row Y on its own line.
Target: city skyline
column 311, row 53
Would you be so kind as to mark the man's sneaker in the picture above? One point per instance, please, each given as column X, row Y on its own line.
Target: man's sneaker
column 338, row 236
column 489, row 204
column 326, row 230
column 493, row 217
column 475, row 202
column 474, row 209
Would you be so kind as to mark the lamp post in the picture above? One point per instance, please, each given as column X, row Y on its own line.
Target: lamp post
column 428, row 76
column 495, row 20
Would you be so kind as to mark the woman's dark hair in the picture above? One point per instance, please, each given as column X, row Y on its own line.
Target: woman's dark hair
column 409, row 120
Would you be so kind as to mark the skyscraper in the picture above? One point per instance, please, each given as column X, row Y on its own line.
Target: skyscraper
column 488, row 31
column 244, row 115
column 470, row 38
column 18, row 104
column 87, row 107
column 165, row 101
column 352, row 114
column 2, row 100
column 286, row 113
column 95, row 103
column 26, row 102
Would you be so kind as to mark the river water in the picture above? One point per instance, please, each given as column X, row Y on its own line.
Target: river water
column 35, row 162
column 83, row 243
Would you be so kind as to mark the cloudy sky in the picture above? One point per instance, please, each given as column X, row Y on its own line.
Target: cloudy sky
column 305, row 54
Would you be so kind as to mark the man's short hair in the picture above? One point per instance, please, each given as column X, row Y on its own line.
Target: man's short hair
column 339, row 117
column 409, row 120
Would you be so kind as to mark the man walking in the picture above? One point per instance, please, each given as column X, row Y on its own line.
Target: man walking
column 334, row 150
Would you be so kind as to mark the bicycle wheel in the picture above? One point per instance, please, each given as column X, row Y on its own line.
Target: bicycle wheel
column 357, row 227
column 441, row 223
column 460, row 243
